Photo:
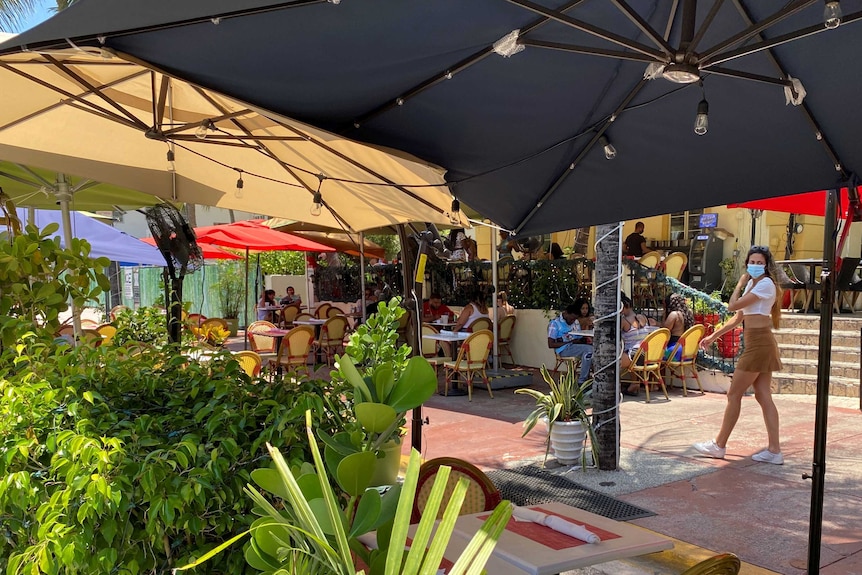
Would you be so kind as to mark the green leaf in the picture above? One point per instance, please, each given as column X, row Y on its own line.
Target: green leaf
column 269, row 480
column 367, row 513
column 417, row 384
column 355, row 472
column 375, row 417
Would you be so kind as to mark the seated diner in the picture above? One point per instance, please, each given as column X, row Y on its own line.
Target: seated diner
column 562, row 335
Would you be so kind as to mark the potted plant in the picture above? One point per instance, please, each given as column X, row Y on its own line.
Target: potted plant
column 706, row 311
column 231, row 294
column 564, row 408
column 382, row 385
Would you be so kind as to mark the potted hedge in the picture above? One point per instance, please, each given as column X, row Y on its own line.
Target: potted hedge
column 385, row 385
column 231, row 294
column 564, row 409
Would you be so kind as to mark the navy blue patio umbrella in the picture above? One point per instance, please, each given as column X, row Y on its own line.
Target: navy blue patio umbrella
column 547, row 116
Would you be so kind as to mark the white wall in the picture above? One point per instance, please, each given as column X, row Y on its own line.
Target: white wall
column 280, row 282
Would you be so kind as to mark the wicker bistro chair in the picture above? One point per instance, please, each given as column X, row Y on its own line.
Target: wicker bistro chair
column 683, row 356
column 321, row 310
column 115, row 311
column 289, row 313
column 431, row 347
column 332, row 337
column 647, row 361
column 294, row 349
column 214, row 321
column 674, row 265
column 195, row 319
column 479, row 324
column 643, row 291
column 504, row 337
column 472, row 360
column 333, row 311
column 258, row 342
column 482, row 495
column 724, row 564
column 250, row 362
column 107, row 331
column 303, row 316
column 403, row 329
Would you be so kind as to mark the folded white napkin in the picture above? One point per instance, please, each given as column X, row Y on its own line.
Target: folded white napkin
column 556, row 523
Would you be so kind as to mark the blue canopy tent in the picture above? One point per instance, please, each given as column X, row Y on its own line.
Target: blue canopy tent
column 104, row 240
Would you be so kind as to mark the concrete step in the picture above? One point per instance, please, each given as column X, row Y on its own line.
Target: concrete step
column 795, row 350
column 801, row 336
column 793, row 365
column 812, row 321
column 804, row 384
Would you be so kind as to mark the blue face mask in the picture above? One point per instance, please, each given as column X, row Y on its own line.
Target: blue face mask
column 756, row 270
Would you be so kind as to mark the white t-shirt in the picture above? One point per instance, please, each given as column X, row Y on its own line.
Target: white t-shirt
column 765, row 292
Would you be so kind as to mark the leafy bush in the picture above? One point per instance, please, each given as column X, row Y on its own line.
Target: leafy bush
column 38, row 278
column 135, row 464
column 124, row 459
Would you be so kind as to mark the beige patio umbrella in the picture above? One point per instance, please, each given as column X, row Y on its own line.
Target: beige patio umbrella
column 91, row 113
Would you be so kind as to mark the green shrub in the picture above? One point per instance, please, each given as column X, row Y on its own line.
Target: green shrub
column 111, row 463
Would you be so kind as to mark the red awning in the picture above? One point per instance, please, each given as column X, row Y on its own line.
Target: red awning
column 255, row 237
column 809, row 203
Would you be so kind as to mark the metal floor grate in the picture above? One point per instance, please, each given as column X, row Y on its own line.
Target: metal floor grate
column 530, row 485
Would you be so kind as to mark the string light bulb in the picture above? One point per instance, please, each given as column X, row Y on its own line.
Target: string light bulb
column 453, row 214
column 701, row 121
column 832, row 14
column 171, row 158
column 317, row 204
column 204, row 128
column 239, row 186
column 609, row 149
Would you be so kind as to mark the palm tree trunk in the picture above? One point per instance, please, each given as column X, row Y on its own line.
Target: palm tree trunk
column 606, row 343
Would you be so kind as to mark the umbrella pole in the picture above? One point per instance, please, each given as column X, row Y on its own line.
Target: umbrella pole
column 64, row 194
column 495, row 317
column 824, row 364
column 362, row 272
column 245, row 336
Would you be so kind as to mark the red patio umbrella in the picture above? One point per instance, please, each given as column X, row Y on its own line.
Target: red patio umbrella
column 209, row 252
column 808, row 203
column 257, row 237
column 251, row 235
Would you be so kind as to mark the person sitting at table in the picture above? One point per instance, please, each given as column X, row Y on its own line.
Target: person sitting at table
column 267, row 299
column 584, row 318
column 562, row 332
column 504, row 308
column 635, row 243
column 291, row 298
column 477, row 308
column 434, row 308
column 634, row 327
column 677, row 318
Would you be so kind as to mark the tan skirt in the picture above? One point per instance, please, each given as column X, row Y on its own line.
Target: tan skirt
column 761, row 351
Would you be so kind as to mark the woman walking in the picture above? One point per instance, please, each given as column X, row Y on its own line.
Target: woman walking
column 756, row 302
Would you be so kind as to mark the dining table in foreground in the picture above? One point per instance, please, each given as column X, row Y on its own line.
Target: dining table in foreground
column 539, row 550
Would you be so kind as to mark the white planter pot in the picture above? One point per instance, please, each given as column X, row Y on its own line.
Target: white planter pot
column 567, row 441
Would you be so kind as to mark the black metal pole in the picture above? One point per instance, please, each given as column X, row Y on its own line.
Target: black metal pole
column 824, row 364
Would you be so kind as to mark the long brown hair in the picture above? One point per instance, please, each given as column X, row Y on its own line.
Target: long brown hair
column 773, row 273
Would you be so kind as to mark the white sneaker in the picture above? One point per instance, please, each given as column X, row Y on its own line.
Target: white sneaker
column 767, row 456
column 710, row 448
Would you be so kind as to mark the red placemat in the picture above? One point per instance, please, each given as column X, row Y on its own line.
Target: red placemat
column 550, row 538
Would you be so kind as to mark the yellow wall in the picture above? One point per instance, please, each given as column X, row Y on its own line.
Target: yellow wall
column 770, row 230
